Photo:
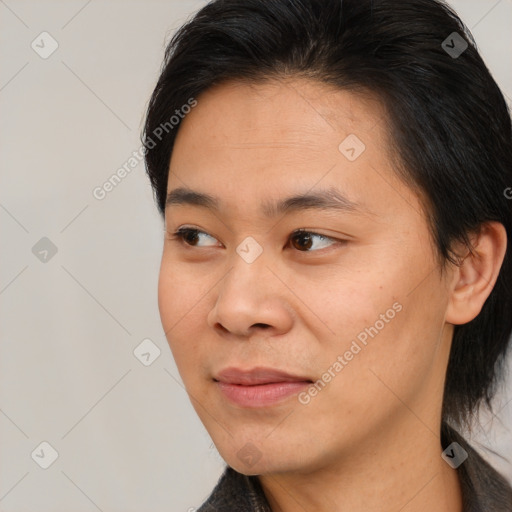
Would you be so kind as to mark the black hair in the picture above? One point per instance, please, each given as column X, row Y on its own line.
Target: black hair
column 448, row 122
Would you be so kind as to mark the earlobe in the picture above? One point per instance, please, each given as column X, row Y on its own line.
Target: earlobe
column 475, row 276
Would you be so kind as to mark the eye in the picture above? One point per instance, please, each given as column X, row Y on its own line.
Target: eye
column 190, row 236
column 302, row 240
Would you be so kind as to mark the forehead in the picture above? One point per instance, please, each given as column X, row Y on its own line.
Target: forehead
column 274, row 138
column 283, row 111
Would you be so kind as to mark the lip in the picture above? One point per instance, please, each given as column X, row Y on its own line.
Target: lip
column 259, row 387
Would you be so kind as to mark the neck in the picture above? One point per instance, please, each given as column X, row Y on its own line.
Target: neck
column 401, row 471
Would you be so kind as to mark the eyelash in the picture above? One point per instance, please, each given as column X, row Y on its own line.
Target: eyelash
column 180, row 234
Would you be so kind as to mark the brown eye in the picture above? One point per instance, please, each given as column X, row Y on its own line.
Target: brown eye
column 303, row 240
column 191, row 236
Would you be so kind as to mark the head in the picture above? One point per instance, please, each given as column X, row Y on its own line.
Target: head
column 399, row 289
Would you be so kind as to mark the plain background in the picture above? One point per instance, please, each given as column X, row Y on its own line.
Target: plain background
column 126, row 435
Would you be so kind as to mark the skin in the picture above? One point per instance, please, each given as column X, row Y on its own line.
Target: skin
column 369, row 440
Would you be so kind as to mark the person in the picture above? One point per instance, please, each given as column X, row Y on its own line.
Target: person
column 335, row 283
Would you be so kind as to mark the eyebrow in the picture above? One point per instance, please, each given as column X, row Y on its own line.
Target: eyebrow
column 323, row 200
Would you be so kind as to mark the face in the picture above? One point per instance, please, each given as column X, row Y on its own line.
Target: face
column 300, row 327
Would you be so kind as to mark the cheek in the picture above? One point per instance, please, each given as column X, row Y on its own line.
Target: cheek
column 168, row 297
column 346, row 301
column 181, row 305
column 182, row 290
column 390, row 356
column 387, row 319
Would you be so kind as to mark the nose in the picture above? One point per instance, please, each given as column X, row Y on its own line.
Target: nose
column 251, row 299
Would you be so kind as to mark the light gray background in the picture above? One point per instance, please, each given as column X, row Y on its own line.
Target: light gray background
column 126, row 435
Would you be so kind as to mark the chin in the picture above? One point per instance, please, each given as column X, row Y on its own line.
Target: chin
column 251, row 460
column 262, row 467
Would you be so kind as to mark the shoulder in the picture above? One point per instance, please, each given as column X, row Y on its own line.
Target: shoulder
column 483, row 488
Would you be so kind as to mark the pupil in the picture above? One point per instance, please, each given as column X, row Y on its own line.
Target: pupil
column 304, row 238
column 191, row 236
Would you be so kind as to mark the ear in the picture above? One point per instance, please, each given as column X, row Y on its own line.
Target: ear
column 475, row 276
